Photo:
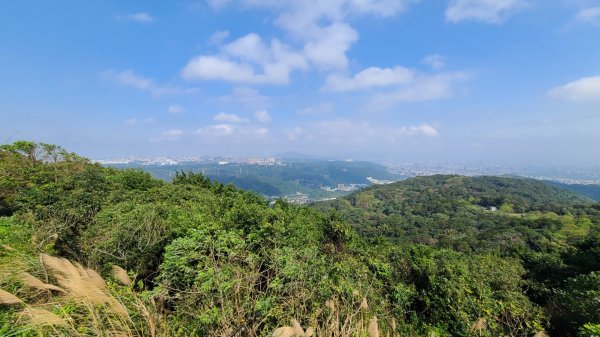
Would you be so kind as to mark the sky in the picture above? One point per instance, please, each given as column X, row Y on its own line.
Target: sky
column 469, row 81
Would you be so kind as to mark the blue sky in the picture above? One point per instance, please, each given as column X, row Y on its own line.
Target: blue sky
column 492, row 81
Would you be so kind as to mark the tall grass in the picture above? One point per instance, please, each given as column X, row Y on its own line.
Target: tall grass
column 76, row 301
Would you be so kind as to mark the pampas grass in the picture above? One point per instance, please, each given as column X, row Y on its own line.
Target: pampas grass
column 121, row 276
column 42, row 317
column 8, row 298
column 33, row 282
column 85, row 301
column 364, row 305
column 284, row 331
column 373, row 327
column 75, row 280
column 297, row 328
column 479, row 325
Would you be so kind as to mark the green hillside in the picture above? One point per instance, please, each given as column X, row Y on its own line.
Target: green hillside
column 465, row 213
column 589, row 191
column 93, row 251
column 286, row 178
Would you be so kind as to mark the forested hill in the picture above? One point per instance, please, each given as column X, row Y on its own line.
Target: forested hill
column 591, row 191
column 465, row 213
column 92, row 251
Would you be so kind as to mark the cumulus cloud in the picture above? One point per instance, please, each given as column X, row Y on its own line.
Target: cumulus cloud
column 318, row 28
column 423, row 88
column 435, row 61
column 247, row 60
column 247, row 97
column 581, row 90
column 140, row 17
column 369, row 78
column 172, row 135
column 262, row 116
column 218, row 130
column 397, row 84
column 490, row 11
column 229, row 118
column 175, row 109
column 589, row 15
column 218, row 37
column 261, row 132
column 131, row 79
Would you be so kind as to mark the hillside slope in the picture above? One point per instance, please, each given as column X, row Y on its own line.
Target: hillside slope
column 590, row 191
column 465, row 213
column 207, row 259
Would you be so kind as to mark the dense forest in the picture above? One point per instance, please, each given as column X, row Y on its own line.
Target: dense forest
column 92, row 251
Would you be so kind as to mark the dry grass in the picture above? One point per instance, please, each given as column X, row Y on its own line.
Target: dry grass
column 8, row 298
column 479, row 325
column 364, row 305
column 295, row 330
column 41, row 317
column 298, row 330
column 373, row 327
column 541, row 334
column 76, row 281
column 338, row 320
column 84, row 300
column 33, row 282
column 285, row 331
column 120, row 275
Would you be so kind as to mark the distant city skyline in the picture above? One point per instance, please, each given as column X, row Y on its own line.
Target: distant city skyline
column 463, row 81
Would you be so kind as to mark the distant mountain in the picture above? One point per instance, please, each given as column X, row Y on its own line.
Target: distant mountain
column 299, row 180
column 460, row 212
column 590, row 191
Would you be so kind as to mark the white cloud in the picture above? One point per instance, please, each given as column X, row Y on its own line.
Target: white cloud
column 329, row 50
column 137, row 17
column 262, row 116
column 149, row 120
column 229, row 118
column 175, row 109
column 369, row 78
column 589, row 15
column 318, row 109
column 295, row 133
column 218, row 130
column 345, row 131
column 396, row 85
column 218, row 37
column 318, row 29
column 261, row 132
column 584, row 89
column 130, row 79
column 131, row 121
column 247, row 97
column 490, row 11
column 247, row 60
column 435, row 61
column 423, row 88
column 172, row 135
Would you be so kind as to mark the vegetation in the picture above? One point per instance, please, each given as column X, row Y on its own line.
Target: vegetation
column 88, row 250
column 552, row 233
column 286, row 178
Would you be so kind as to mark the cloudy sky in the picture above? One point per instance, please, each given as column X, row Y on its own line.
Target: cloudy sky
column 492, row 81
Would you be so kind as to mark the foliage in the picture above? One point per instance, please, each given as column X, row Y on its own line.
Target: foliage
column 421, row 257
